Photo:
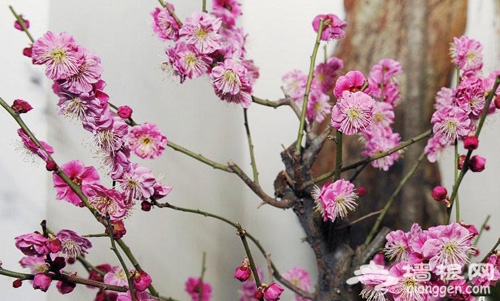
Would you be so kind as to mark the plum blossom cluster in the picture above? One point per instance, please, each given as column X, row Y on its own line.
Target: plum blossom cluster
column 209, row 43
column 366, row 107
column 459, row 109
column 76, row 73
column 422, row 262
column 46, row 255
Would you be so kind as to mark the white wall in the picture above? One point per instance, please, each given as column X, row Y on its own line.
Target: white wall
column 170, row 244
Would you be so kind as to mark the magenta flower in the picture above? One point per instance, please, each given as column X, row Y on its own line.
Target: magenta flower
column 83, row 107
column 18, row 26
column 31, row 146
column 326, row 73
column 231, row 83
column 72, row 244
column 89, row 73
column 333, row 27
column 228, row 11
column 79, row 174
column 447, row 244
column 21, row 106
column 272, row 292
column 160, row 191
column 201, row 30
column 232, row 44
column 352, row 112
column 124, row 112
column 435, row 146
column 141, row 280
column 379, row 142
column 243, row 272
column 249, row 288
column 65, row 287
column 470, row 96
column 352, row 81
column 42, row 282
column 108, row 202
column 444, row 98
column 300, row 278
column 117, row 162
column 295, row 84
column 477, row 163
column 318, row 106
column 193, row 289
column 109, row 131
column 146, row 140
column 466, row 53
column 116, row 276
column 35, row 264
column 487, row 277
column 138, row 183
column 407, row 287
column 59, row 52
column 335, row 199
column 452, row 123
column 385, row 70
column 164, row 24
column 187, row 61
column 33, row 244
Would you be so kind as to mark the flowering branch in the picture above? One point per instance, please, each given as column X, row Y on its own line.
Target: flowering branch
column 410, row 173
column 65, row 277
column 171, row 11
column 120, row 258
column 465, row 168
column 401, row 146
column 306, row 94
column 21, row 22
column 242, row 234
column 250, row 146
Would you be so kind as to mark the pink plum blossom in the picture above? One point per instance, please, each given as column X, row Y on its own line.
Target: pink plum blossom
column 228, row 11
column 89, row 73
column 42, row 282
column 466, row 53
column 335, row 199
column 31, row 146
column 36, row 264
column 249, row 288
column 333, row 27
column 33, row 244
column 109, row 132
column 187, row 61
column 352, row 81
column 60, row 54
column 444, row 98
column 231, row 83
column 300, row 278
column 318, row 106
column 116, row 276
column 108, row 202
column 470, row 96
column 434, row 147
column 138, row 183
column 326, row 73
column 352, row 112
column 452, row 123
column 272, row 292
column 79, row 174
column 201, row 30
column 72, row 244
column 65, row 287
column 21, row 106
column 384, row 141
column 243, row 272
column 141, row 280
column 146, row 140
column 124, row 112
column 295, row 84
column 164, row 24
column 192, row 287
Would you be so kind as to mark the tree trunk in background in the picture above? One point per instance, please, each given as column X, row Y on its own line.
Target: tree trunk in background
column 418, row 34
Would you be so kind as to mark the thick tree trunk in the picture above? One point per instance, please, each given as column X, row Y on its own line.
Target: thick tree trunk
column 418, row 34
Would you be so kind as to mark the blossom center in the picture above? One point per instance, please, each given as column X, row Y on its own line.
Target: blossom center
column 57, row 55
column 353, row 113
column 201, row 34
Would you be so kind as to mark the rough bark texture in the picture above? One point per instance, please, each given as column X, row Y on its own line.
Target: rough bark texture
column 417, row 33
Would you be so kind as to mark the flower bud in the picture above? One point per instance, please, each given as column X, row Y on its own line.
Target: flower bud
column 28, row 51
column 51, row 165
column 243, row 272
column 21, row 106
column 471, row 142
column 477, row 163
column 18, row 26
column 461, row 161
column 124, row 112
column 487, row 227
column 273, row 292
column 118, row 229
column 146, row 206
column 497, row 101
column 17, row 283
column 439, row 193
column 41, row 282
column 361, row 190
column 65, row 287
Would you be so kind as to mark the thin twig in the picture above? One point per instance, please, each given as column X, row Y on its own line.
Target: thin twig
column 250, row 147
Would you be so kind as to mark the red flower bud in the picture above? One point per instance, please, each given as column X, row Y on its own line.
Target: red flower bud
column 439, row 193
column 17, row 283
column 361, row 190
column 487, row 227
column 65, row 287
column 461, row 161
column 477, row 163
column 243, row 272
column 18, row 26
column 118, row 229
column 28, row 51
column 51, row 165
column 259, row 294
column 497, row 101
column 146, row 206
column 471, row 142
column 21, row 106
column 124, row 112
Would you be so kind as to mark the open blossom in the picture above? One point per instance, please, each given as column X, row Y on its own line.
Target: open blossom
column 227, row 10
column 146, row 140
column 434, row 147
column 201, row 30
column 407, row 287
column 470, row 96
column 318, row 106
column 333, row 27
column 326, row 73
column 452, row 123
column 117, row 162
column 192, row 287
column 187, row 61
column 138, row 183
column 164, row 24
column 382, row 141
column 59, row 52
column 89, row 73
column 300, row 278
column 352, row 81
column 42, row 282
column 231, row 83
column 141, row 280
column 82, row 106
column 72, row 244
column 33, row 244
column 79, row 174
column 295, row 84
column 335, row 199
column 35, row 264
column 116, row 276
column 108, row 202
column 352, row 112
column 466, row 53
column 232, row 45
column 33, row 148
